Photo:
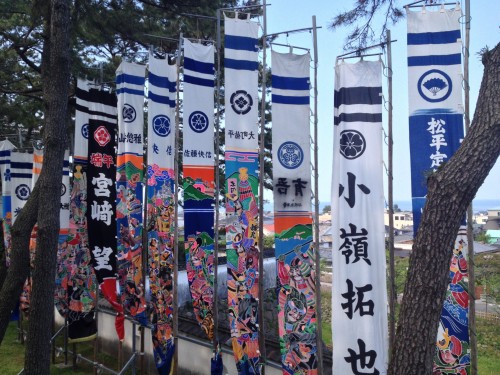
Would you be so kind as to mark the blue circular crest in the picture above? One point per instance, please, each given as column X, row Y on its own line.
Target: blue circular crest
column 85, row 131
column 290, row 155
column 23, row 192
column 434, row 86
column 198, row 121
column 128, row 113
column 161, row 125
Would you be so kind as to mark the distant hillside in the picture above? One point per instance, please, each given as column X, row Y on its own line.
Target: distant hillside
column 302, row 230
column 191, row 192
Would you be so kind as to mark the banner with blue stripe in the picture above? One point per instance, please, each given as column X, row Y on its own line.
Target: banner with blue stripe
column 242, row 213
column 436, row 131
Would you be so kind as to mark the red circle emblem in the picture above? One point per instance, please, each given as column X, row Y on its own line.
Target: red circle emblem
column 102, row 136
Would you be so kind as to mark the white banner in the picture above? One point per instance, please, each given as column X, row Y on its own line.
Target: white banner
column 162, row 79
column 198, row 104
column 5, row 149
column 359, row 296
column 65, row 196
column 130, row 94
column 434, row 60
column 82, row 121
column 435, row 95
column 21, row 166
column 291, row 132
column 241, row 87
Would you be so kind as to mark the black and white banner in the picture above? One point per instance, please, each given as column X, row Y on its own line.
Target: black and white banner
column 359, row 298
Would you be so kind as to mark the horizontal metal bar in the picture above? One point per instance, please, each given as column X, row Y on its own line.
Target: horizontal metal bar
column 413, row 5
column 366, row 48
column 356, row 56
column 199, row 16
column 287, row 45
column 292, row 31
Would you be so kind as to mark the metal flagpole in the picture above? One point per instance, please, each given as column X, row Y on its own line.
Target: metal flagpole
column 470, row 236
column 176, row 217
column 217, row 188
column 390, row 178
column 262, row 338
column 319, row 336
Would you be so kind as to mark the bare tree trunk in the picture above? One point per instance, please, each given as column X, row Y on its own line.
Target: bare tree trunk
column 55, row 76
column 19, row 260
column 3, row 259
column 450, row 191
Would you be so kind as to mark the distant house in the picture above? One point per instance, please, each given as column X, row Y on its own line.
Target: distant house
column 493, row 222
column 401, row 219
column 325, row 237
column 494, row 236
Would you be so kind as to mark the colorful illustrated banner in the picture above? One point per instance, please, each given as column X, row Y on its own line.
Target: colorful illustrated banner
column 295, row 254
column 198, row 183
column 63, row 266
column 101, row 217
column 160, row 208
column 435, row 96
column 359, row 299
column 25, row 299
column 452, row 343
column 242, row 165
column 129, row 186
column 5, row 170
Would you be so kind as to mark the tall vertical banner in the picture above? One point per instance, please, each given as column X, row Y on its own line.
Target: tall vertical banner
column 101, row 217
column 162, row 79
column 242, row 182
column 76, row 280
column 198, row 184
column 436, row 130
column 295, row 254
column 435, row 96
column 5, row 149
column 359, row 296
column 130, row 92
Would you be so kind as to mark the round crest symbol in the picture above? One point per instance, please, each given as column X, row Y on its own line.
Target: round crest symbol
column 23, row 192
column 85, row 131
column 198, row 121
column 434, row 86
column 102, row 136
column 161, row 125
column 290, row 155
column 63, row 189
column 352, row 144
column 241, row 102
column 128, row 113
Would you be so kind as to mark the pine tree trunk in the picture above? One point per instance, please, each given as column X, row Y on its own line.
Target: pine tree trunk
column 19, row 260
column 55, row 76
column 450, row 191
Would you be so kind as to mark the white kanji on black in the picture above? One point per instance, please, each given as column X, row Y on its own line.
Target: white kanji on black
column 102, row 257
column 103, row 184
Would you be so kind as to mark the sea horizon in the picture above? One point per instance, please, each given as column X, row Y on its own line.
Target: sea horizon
column 478, row 205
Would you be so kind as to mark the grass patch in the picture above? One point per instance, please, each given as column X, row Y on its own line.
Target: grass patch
column 12, row 356
column 488, row 347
